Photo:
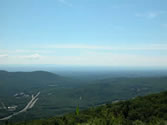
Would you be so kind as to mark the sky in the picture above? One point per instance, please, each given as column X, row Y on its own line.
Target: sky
column 130, row 33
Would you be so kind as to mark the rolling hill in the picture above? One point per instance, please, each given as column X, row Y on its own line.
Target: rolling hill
column 13, row 82
column 60, row 95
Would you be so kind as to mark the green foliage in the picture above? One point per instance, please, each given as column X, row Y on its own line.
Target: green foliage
column 77, row 110
column 148, row 110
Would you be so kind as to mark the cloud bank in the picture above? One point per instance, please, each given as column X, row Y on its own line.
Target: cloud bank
column 4, row 56
column 91, row 59
column 31, row 57
column 95, row 47
column 90, row 55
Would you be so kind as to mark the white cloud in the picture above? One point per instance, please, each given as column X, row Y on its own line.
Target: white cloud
column 22, row 51
column 150, row 15
column 119, row 6
column 25, row 51
column 35, row 54
column 65, row 3
column 96, row 47
column 71, row 46
column 116, row 59
column 91, row 58
column 164, row 25
column 106, row 59
column 31, row 57
column 24, row 59
column 4, row 56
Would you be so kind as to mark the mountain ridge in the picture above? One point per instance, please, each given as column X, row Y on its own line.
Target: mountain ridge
column 13, row 81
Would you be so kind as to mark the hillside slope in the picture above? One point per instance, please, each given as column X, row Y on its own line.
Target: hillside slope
column 12, row 82
column 148, row 110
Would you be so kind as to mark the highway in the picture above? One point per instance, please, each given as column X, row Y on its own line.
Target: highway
column 29, row 105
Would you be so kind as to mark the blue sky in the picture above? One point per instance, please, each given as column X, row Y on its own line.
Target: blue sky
column 84, row 32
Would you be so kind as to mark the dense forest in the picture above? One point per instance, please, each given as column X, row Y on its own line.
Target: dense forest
column 147, row 110
column 60, row 95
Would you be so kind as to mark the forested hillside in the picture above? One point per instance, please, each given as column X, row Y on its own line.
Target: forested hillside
column 148, row 110
column 60, row 95
column 13, row 82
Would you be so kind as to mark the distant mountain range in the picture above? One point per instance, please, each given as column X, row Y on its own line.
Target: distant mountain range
column 36, row 75
column 11, row 82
